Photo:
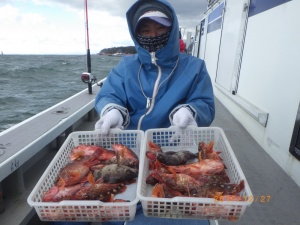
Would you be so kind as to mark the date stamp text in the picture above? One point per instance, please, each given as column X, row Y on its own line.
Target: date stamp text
column 251, row 198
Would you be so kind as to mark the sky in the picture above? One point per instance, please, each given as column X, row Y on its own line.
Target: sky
column 59, row 27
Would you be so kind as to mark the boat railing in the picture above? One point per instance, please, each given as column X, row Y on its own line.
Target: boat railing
column 23, row 145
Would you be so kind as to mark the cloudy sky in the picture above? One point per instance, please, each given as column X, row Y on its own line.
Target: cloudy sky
column 58, row 27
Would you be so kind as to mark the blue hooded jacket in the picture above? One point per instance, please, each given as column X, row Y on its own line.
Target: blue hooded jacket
column 184, row 80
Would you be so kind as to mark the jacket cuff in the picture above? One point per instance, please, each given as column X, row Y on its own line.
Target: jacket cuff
column 124, row 112
column 190, row 108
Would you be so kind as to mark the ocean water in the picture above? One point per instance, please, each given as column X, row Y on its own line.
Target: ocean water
column 30, row 84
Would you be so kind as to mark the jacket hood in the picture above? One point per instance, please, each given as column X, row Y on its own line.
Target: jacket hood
column 168, row 54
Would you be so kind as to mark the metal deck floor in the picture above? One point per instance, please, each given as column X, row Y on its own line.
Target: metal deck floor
column 264, row 175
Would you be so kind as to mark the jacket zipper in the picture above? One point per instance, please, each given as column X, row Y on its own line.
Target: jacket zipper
column 151, row 102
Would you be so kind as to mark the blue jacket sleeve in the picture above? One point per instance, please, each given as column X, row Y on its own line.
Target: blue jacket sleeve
column 199, row 98
column 112, row 91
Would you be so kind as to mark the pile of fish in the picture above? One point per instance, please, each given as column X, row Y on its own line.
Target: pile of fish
column 187, row 174
column 95, row 173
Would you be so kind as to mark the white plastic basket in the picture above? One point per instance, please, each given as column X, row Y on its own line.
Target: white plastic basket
column 191, row 207
column 82, row 210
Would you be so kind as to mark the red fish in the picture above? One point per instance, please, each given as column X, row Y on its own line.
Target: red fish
column 203, row 167
column 206, row 151
column 90, row 150
column 154, row 147
column 75, row 172
column 124, row 156
column 100, row 191
column 158, row 167
column 158, row 191
column 215, row 178
column 163, row 191
column 82, row 151
column 178, row 182
column 212, row 190
column 56, row 194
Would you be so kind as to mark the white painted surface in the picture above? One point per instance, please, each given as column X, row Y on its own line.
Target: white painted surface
column 229, row 42
column 269, row 76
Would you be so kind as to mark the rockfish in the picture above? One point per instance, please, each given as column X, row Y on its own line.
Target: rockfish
column 100, row 191
column 212, row 190
column 74, row 172
column 91, row 150
column 124, row 156
column 172, row 158
column 203, row 167
column 57, row 194
column 114, row 173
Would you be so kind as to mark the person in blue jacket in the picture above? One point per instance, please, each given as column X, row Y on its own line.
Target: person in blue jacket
column 158, row 87
column 155, row 88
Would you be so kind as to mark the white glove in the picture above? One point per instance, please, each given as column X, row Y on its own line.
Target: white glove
column 112, row 119
column 183, row 117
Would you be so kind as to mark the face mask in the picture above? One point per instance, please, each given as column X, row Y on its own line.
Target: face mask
column 152, row 44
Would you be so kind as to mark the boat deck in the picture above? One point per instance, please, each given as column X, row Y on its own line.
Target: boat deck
column 264, row 175
column 275, row 195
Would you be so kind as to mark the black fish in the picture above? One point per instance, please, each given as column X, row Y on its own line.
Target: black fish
column 172, row 158
column 114, row 173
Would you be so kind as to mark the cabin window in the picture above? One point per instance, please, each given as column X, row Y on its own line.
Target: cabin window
column 295, row 142
column 199, row 36
column 215, row 19
column 231, row 45
column 197, row 41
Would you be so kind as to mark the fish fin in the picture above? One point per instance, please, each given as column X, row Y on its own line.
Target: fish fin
column 210, row 146
column 91, row 178
column 157, row 165
column 200, row 147
column 172, row 170
column 118, row 158
column 76, row 155
column 124, row 151
column 199, row 156
column 154, row 147
column 95, row 162
column 61, row 182
column 218, row 193
column 111, row 199
column 226, row 178
column 158, row 191
column 240, row 186
column 123, row 189
column 151, row 155
column 200, row 151
column 151, row 165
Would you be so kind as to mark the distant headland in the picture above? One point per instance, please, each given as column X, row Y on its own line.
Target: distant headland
column 118, row 51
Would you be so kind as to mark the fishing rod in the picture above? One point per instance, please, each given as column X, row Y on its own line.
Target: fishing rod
column 87, row 77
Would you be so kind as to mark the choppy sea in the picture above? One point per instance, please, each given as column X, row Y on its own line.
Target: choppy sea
column 30, row 84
